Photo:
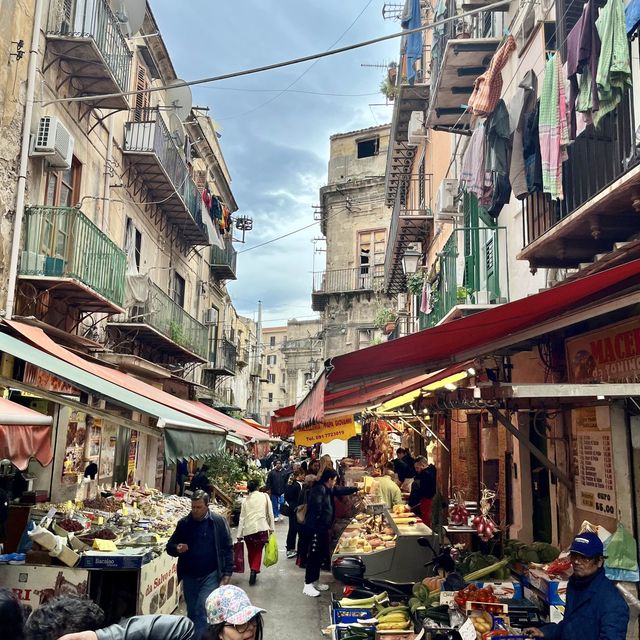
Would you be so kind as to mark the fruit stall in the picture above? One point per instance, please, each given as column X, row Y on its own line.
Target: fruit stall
column 109, row 548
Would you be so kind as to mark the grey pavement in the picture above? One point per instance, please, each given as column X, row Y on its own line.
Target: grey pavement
column 279, row 590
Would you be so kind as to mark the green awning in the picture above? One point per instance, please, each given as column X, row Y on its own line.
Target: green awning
column 236, row 440
column 175, row 420
column 180, row 443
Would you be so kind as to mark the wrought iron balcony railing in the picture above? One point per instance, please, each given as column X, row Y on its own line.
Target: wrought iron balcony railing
column 363, row 278
column 61, row 242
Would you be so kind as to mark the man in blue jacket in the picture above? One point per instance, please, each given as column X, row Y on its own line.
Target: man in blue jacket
column 202, row 543
column 595, row 609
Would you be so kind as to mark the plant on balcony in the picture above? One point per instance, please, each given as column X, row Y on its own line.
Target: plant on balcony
column 176, row 333
column 462, row 294
column 415, row 282
column 389, row 90
column 385, row 320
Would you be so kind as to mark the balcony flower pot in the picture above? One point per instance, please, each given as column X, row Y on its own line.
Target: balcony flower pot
column 389, row 328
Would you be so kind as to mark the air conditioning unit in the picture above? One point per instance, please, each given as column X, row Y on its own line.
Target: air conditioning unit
column 416, row 132
column 482, row 297
column 211, row 316
column 447, row 197
column 53, row 142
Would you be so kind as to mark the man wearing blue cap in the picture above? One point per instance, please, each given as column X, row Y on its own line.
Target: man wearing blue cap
column 595, row 610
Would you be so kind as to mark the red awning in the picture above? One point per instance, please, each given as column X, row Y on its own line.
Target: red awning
column 310, row 410
column 282, row 422
column 254, row 424
column 24, row 434
column 474, row 335
column 239, row 427
column 38, row 338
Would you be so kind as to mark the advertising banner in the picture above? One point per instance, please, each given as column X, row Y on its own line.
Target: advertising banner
column 159, row 586
column 338, row 428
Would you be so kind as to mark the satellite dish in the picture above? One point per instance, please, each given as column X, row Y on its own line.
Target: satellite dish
column 177, row 130
column 179, row 98
column 130, row 14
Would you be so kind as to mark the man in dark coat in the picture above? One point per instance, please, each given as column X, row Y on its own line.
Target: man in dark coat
column 423, row 489
column 595, row 609
column 202, row 543
column 403, row 465
column 276, row 483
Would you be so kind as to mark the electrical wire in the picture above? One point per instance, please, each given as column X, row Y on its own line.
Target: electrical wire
column 286, row 63
column 304, row 73
column 281, row 91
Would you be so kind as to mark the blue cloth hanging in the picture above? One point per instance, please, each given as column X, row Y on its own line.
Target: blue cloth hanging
column 411, row 19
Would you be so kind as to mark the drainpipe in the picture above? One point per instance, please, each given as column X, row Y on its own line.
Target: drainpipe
column 24, row 158
column 106, row 200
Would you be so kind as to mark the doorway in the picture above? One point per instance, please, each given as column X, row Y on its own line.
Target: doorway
column 540, row 480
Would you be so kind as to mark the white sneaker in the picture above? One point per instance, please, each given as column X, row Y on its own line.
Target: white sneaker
column 311, row 591
column 321, row 587
column 291, row 554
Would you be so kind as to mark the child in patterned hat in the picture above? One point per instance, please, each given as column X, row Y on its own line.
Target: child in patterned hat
column 231, row 616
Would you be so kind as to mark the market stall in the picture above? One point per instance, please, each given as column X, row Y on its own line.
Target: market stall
column 110, row 548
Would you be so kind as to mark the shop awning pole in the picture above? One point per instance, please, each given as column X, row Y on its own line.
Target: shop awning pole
column 514, row 431
column 408, row 424
column 78, row 406
column 428, row 428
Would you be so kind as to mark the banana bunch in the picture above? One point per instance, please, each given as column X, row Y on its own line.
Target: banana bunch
column 364, row 602
column 393, row 618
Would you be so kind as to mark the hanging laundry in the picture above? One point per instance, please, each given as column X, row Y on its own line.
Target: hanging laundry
column 632, row 16
column 206, row 197
column 425, row 298
column 498, row 157
column 553, row 127
column 411, row 19
column 488, row 87
column 614, row 68
column 524, row 102
column 531, row 150
column 474, row 175
column 583, row 53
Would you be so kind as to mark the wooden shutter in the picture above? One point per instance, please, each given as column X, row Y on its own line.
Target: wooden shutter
column 141, row 102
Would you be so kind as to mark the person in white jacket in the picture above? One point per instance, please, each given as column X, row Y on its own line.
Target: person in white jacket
column 255, row 525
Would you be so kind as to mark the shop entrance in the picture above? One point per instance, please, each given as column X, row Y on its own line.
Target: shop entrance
column 541, row 499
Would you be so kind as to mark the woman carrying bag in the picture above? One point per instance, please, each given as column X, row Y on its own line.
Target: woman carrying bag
column 256, row 523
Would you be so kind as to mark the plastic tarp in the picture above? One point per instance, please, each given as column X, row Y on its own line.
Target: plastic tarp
column 24, row 434
column 180, row 443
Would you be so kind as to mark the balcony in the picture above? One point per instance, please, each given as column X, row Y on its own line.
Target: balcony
column 162, row 330
column 470, row 278
column 149, row 145
column 223, row 358
column 365, row 279
column 86, row 36
column 223, row 261
column 460, row 52
column 411, row 222
column 243, row 357
column 70, row 257
column 601, row 183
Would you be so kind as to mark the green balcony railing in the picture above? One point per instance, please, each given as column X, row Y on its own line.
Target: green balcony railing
column 165, row 315
column 61, row 242
column 223, row 261
column 469, row 272
column 93, row 19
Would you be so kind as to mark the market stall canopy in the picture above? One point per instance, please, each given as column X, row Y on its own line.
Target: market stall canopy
column 255, row 425
column 337, row 428
column 282, row 421
column 310, row 410
column 183, row 441
column 233, row 425
column 477, row 334
column 117, row 386
column 24, row 434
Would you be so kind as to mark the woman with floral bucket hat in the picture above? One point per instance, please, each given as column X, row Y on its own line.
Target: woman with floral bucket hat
column 231, row 616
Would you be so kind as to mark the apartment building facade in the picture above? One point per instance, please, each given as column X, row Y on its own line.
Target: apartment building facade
column 122, row 216
column 355, row 219
column 485, row 258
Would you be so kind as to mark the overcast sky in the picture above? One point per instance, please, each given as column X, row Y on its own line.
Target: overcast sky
column 277, row 153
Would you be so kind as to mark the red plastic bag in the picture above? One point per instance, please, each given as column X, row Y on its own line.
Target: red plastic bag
column 238, row 557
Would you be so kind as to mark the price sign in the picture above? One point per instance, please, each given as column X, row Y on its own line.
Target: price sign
column 595, row 482
column 467, row 631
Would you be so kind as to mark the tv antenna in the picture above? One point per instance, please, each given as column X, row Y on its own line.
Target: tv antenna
column 392, row 11
column 244, row 224
column 130, row 15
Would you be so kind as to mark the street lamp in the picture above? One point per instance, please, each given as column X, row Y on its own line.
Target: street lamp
column 410, row 261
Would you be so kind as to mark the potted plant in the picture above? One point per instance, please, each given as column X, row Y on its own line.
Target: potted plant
column 463, row 29
column 462, row 293
column 385, row 320
column 415, row 282
column 389, row 90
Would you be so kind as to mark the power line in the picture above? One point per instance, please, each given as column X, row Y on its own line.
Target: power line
column 288, row 63
column 281, row 91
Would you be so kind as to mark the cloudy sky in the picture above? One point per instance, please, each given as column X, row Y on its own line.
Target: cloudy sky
column 276, row 145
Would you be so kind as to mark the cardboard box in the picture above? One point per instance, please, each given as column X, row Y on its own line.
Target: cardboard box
column 114, row 560
column 552, row 591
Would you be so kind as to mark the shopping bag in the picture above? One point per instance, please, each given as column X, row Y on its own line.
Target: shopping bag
column 285, row 509
column 621, row 551
column 271, row 551
column 238, row 557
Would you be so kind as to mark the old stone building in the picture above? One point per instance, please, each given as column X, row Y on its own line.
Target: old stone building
column 355, row 222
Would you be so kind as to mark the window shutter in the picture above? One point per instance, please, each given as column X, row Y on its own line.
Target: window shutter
column 141, row 99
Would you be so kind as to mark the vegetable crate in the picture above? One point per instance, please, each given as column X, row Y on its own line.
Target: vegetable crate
column 354, row 633
column 496, row 608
